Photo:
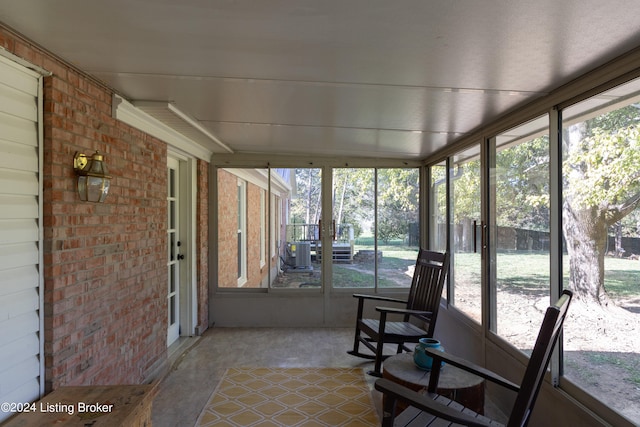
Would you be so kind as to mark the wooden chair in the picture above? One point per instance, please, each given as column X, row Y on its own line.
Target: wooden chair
column 431, row 409
column 422, row 304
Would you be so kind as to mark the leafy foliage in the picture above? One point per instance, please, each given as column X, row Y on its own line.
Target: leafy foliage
column 603, row 167
column 398, row 195
column 466, row 191
column 354, row 199
column 600, row 188
column 522, row 183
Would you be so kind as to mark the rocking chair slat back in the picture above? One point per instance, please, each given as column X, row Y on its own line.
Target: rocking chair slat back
column 539, row 361
column 422, row 304
column 428, row 280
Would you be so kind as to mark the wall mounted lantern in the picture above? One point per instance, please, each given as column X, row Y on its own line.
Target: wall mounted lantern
column 93, row 177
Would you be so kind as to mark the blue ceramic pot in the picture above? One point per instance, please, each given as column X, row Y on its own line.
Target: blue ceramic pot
column 420, row 358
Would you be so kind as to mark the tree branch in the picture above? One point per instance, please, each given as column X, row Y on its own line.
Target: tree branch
column 617, row 212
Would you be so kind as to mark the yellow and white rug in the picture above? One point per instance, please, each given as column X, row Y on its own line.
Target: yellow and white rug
column 276, row 397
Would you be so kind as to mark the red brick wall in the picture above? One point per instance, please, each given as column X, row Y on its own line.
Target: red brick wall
column 104, row 264
column 254, row 271
column 202, row 243
column 227, row 229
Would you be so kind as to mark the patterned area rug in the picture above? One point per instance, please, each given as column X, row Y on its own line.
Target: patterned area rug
column 278, row 397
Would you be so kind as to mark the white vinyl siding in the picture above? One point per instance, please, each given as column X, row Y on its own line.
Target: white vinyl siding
column 21, row 359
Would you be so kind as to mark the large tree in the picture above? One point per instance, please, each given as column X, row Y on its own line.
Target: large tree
column 398, row 198
column 306, row 203
column 522, row 183
column 600, row 187
column 353, row 198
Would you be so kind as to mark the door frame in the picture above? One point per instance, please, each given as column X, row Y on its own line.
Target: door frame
column 187, row 287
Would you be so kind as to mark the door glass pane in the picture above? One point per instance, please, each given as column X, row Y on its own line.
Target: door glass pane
column 301, row 251
column 172, row 310
column 278, row 208
column 519, row 199
column 172, row 214
column 601, row 227
column 172, row 245
column 284, row 255
column 398, row 228
column 376, row 236
column 353, row 213
column 464, row 177
column 172, row 182
column 438, row 211
column 172, row 278
column 438, row 207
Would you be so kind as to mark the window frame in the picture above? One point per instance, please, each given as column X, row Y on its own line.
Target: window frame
column 242, row 232
column 553, row 105
column 278, row 209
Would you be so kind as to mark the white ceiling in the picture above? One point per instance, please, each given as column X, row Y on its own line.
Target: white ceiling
column 372, row 78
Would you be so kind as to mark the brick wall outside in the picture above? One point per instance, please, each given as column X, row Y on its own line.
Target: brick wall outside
column 227, row 229
column 202, row 243
column 228, row 237
column 104, row 264
column 255, row 272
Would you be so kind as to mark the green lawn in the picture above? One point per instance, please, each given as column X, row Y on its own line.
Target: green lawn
column 528, row 270
column 396, row 259
column 518, row 269
column 622, row 277
column 526, row 274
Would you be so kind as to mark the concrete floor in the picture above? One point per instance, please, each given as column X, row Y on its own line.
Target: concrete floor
column 197, row 370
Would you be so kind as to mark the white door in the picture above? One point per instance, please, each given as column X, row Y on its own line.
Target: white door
column 174, row 255
column 21, row 289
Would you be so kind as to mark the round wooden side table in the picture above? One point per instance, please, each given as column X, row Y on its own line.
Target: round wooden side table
column 455, row 384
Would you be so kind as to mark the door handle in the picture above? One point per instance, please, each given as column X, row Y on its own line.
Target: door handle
column 483, row 237
column 475, row 237
column 180, row 257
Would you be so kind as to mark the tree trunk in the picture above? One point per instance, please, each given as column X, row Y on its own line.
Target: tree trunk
column 619, row 251
column 585, row 232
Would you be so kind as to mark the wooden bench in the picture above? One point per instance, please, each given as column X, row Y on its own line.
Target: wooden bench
column 95, row 406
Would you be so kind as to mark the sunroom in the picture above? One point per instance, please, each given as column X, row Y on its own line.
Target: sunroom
column 269, row 160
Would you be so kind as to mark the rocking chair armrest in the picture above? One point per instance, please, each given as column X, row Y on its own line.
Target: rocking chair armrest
column 465, row 365
column 393, row 391
column 378, row 298
column 394, row 310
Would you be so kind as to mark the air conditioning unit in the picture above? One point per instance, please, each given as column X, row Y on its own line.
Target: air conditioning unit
column 303, row 255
